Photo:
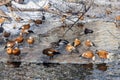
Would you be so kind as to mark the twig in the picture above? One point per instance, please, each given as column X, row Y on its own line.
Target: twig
column 113, row 35
column 77, row 20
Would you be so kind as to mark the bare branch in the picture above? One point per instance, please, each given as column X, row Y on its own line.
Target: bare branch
column 78, row 18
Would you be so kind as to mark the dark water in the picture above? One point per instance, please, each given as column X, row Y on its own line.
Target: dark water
column 38, row 71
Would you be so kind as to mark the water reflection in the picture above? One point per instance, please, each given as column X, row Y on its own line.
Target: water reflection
column 88, row 66
column 44, row 71
column 13, row 61
column 102, row 67
column 13, row 64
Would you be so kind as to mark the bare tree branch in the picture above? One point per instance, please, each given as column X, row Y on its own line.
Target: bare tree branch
column 86, row 9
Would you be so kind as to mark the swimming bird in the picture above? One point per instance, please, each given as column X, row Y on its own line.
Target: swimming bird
column 87, row 31
column 10, row 44
column 70, row 48
column 2, row 20
column 30, row 40
column 76, row 42
column 16, row 51
column 6, row 35
column 102, row 54
column 60, row 43
column 26, row 32
column 9, row 50
column 25, row 26
column 117, row 18
column 25, row 29
column 88, row 54
column 37, row 22
column 89, row 43
column 19, row 39
column 50, row 52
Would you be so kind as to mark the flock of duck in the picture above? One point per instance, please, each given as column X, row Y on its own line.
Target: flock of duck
column 73, row 47
column 12, row 45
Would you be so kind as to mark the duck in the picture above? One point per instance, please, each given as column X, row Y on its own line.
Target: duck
column 69, row 48
column 46, row 7
column 88, row 54
column 2, row 20
column 88, row 43
column 117, row 18
column 25, row 26
column 20, row 38
column 30, row 40
column 103, row 54
column 88, row 31
column 76, row 42
column 26, row 31
column 10, row 43
column 37, row 22
column 16, row 51
column 6, row 35
column 60, row 43
column 50, row 52
column 9, row 50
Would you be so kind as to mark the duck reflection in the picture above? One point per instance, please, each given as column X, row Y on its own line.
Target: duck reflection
column 88, row 66
column 102, row 67
column 50, row 64
column 13, row 64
